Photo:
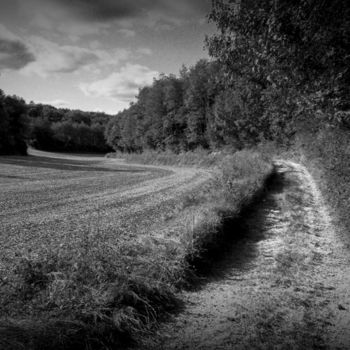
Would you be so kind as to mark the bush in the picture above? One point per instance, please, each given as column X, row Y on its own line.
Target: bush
column 327, row 154
column 240, row 181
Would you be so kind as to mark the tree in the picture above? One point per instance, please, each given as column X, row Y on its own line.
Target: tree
column 294, row 55
column 13, row 125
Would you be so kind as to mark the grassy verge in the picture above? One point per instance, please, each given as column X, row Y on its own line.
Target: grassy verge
column 97, row 294
column 327, row 156
column 199, row 158
column 241, row 180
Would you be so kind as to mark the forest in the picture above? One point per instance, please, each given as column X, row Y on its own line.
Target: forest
column 13, row 126
column 277, row 69
column 47, row 128
column 278, row 72
column 66, row 130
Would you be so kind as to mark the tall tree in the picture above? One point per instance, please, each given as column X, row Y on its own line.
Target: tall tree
column 295, row 53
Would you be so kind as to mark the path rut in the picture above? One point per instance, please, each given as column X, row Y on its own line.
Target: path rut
column 285, row 285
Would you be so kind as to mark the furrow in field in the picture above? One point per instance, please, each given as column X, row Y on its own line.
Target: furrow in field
column 44, row 202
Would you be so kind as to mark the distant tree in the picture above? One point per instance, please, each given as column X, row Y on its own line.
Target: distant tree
column 55, row 129
column 112, row 133
column 41, row 135
column 154, row 112
column 13, row 125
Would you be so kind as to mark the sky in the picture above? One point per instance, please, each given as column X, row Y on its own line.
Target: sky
column 94, row 55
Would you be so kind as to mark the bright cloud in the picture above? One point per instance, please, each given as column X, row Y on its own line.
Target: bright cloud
column 54, row 58
column 123, row 85
column 144, row 51
column 128, row 33
column 56, row 103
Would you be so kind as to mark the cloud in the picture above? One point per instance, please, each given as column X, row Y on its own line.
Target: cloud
column 56, row 103
column 128, row 33
column 108, row 10
column 75, row 30
column 123, row 85
column 53, row 58
column 77, row 19
column 144, row 51
column 14, row 54
column 105, row 9
column 112, row 57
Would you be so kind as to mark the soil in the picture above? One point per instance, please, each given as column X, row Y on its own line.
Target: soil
column 47, row 199
column 284, row 285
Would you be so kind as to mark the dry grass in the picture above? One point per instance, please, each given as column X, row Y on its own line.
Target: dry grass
column 241, row 178
column 198, row 158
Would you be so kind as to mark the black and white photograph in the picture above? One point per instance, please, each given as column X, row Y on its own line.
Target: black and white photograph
column 174, row 175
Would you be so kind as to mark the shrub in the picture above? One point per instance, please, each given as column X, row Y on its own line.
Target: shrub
column 240, row 181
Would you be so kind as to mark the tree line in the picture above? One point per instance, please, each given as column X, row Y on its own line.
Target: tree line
column 48, row 128
column 176, row 113
column 54, row 129
column 13, row 126
column 196, row 109
column 278, row 68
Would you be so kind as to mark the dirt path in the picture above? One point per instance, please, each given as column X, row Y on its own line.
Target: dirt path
column 286, row 285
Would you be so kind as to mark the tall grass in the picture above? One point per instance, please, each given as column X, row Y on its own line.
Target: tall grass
column 327, row 156
column 111, row 293
column 241, row 179
column 198, row 158
column 98, row 293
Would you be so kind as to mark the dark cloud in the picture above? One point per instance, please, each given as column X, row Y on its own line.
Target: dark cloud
column 14, row 54
column 121, row 9
column 103, row 9
column 9, row 8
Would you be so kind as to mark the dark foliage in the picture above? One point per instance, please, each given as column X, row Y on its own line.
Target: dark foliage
column 13, row 125
column 177, row 114
column 290, row 62
column 66, row 130
column 292, row 57
column 279, row 65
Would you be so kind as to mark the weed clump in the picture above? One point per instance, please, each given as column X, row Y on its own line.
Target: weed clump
column 241, row 178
